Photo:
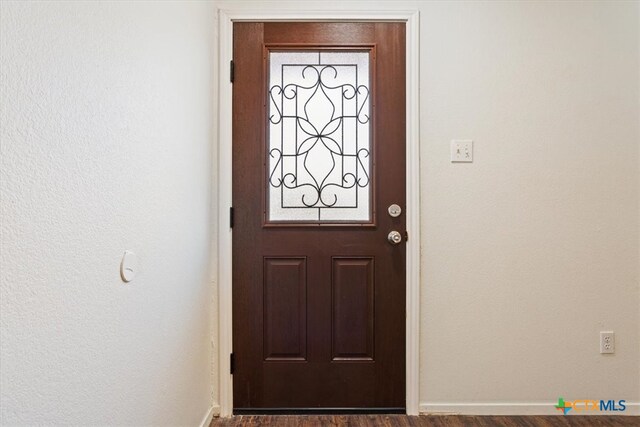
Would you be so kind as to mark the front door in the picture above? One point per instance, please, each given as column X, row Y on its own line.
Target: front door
column 319, row 231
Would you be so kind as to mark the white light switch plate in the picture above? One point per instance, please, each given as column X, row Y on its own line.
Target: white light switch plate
column 461, row 150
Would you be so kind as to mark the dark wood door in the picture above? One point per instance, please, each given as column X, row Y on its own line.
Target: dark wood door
column 318, row 158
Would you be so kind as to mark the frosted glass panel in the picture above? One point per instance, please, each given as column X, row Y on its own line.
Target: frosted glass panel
column 319, row 137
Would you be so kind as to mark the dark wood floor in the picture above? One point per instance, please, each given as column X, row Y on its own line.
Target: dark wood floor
column 425, row 421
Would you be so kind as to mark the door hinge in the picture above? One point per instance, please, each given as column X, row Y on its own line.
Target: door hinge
column 406, row 236
column 232, row 363
column 231, row 71
column 231, row 217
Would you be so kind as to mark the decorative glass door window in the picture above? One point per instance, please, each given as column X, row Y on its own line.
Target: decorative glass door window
column 319, row 137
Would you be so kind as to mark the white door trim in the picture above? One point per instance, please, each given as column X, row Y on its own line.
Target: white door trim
column 227, row 16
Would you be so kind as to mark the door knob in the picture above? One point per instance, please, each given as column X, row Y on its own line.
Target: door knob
column 394, row 237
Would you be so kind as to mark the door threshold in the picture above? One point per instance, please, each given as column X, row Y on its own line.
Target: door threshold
column 317, row 411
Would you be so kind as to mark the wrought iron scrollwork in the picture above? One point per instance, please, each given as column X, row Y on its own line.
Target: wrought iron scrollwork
column 322, row 114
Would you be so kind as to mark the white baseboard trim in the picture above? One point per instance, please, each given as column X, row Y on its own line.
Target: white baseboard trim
column 206, row 421
column 520, row 408
column 488, row 408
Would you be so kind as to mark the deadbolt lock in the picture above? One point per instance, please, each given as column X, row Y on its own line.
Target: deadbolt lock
column 394, row 211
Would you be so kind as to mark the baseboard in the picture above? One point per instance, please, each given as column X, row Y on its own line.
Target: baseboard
column 520, row 408
column 206, row 421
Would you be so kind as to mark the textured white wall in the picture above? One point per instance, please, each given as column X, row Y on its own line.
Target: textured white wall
column 531, row 250
column 105, row 146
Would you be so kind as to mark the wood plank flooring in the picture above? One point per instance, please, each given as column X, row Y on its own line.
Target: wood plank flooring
column 425, row 421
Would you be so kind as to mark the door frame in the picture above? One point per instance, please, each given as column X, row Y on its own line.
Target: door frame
column 221, row 197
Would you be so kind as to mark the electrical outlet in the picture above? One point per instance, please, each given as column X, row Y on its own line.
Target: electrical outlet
column 607, row 342
column 461, row 150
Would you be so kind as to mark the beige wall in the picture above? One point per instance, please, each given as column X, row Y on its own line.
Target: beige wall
column 531, row 250
column 105, row 145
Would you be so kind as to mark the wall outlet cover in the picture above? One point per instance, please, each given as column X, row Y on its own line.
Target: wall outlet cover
column 607, row 342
